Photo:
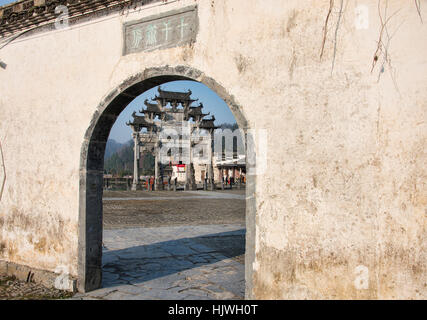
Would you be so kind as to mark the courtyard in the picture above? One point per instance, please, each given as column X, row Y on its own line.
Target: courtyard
column 172, row 245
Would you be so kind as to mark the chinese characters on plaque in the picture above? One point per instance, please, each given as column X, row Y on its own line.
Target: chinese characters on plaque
column 164, row 31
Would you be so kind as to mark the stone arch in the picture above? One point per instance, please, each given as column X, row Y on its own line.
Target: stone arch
column 92, row 164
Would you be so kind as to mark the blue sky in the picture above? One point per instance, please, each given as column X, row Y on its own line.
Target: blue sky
column 3, row 2
column 211, row 103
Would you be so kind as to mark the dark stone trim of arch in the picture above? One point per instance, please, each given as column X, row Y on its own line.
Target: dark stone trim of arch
column 92, row 164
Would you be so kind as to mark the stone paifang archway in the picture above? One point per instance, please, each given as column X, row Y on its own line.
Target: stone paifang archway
column 92, row 165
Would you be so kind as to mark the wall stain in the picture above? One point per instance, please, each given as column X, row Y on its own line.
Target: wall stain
column 292, row 65
column 45, row 238
column 291, row 21
column 41, row 245
column 242, row 63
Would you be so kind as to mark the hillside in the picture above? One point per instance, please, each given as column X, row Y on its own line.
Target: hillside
column 112, row 147
column 120, row 162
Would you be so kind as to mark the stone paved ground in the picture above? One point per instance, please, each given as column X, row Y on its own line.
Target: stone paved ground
column 179, row 262
column 173, row 245
column 139, row 209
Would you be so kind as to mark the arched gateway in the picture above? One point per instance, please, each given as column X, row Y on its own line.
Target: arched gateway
column 334, row 91
column 92, row 162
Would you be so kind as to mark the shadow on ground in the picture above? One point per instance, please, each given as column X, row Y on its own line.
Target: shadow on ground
column 143, row 263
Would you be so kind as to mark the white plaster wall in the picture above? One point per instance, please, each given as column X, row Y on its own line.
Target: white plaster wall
column 346, row 179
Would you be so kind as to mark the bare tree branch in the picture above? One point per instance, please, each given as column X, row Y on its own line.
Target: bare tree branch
column 383, row 47
column 325, row 28
column 383, row 27
column 336, row 35
column 4, row 172
column 418, row 6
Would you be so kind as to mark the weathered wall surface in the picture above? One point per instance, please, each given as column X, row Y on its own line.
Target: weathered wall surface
column 341, row 210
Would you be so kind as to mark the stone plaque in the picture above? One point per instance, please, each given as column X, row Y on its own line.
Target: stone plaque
column 171, row 29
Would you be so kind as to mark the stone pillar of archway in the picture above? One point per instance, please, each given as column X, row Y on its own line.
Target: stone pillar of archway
column 156, row 169
column 135, row 183
column 189, row 173
column 211, row 165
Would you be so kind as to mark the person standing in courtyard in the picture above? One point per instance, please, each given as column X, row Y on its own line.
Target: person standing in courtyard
column 151, row 181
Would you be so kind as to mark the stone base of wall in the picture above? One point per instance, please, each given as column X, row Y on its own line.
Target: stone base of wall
column 47, row 278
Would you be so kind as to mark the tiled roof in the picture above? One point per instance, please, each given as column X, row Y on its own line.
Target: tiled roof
column 196, row 111
column 172, row 95
column 152, row 107
column 208, row 123
column 140, row 121
column 27, row 14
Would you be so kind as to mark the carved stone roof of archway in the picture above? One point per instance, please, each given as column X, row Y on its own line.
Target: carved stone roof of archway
column 152, row 108
column 197, row 111
column 208, row 123
column 140, row 122
column 174, row 96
